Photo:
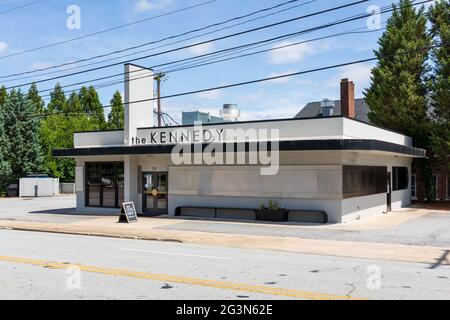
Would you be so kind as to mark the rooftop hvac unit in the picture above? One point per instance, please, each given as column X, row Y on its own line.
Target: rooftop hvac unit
column 327, row 106
column 230, row 113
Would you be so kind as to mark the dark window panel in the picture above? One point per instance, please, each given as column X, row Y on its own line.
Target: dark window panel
column 400, row 178
column 361, row 181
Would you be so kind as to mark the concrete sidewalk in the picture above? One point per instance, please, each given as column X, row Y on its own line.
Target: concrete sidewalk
column 153, row 229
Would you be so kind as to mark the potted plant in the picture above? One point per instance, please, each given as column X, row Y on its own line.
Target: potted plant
column 273, row 212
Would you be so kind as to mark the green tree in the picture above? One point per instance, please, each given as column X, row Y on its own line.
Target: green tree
column 397, row 97
column 58, row 101
column 35, row 98
column 92, row 106
column 57, row 131
column 74, row 104
column 3, row 96
column 439, row 16
column 116, row 116
column 5, row 169
column 21, row 126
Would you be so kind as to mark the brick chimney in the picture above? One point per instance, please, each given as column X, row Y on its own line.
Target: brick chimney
column 348, row 98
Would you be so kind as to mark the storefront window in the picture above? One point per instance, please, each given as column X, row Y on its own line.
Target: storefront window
column 361, row 181
column 400, row 178
column 104, row 184
column 93, row 184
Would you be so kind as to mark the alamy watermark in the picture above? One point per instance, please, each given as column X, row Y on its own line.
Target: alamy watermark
column 219, row 146
column 374, row 21
column 73, row 22
column 228, row 147
column 73, row 282
column 374, row 279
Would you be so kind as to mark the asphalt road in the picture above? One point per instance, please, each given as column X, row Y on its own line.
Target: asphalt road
column 34, row 266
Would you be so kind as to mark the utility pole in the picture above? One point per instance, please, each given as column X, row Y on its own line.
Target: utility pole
column 159, row 77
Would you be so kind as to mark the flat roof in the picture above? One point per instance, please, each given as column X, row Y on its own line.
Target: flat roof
column 252, row 121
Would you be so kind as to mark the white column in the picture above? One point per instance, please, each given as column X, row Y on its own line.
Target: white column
column 138, row 87
column 131, row 180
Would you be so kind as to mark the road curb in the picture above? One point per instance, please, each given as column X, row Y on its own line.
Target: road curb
column 91, row 234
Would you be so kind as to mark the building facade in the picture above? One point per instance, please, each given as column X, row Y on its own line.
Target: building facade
column 441, row 174
column 345, row 167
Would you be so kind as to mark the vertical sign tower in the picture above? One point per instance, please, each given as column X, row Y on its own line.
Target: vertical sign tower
column 138, row 87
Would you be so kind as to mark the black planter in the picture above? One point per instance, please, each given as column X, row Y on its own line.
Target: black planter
column 273, row 216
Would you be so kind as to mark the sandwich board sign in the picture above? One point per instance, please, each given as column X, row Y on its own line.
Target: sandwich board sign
column 128, row 213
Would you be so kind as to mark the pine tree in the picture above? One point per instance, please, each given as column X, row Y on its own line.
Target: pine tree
column 57, row 132
column 3, row 96
column 35, row 98
column 439, row 16
column 116, row 116
column 92, row 106
column 58, row 102
column 21, row 125
column 4, row 164
column 74, row 104
column 397, row 97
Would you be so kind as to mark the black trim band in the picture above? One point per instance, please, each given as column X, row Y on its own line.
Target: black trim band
column 298, row 145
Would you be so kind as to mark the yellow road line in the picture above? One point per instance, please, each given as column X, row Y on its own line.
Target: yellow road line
column 183, row 280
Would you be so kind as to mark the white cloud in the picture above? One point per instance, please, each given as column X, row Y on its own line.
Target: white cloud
column 41, row 65
column 3, row 46
column 358, row 73
column 147, row 5
column 202, row 49
column 211, row 95
column 251, row 97
column 290, row 54
column 283, row 111
column 282, row 80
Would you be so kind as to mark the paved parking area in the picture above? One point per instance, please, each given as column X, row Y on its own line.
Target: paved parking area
column 422, row 227
column 60, row 209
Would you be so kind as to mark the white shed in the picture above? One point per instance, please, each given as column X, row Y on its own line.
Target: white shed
column 38, row 186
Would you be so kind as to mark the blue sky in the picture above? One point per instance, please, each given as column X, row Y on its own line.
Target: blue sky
column 45, row 23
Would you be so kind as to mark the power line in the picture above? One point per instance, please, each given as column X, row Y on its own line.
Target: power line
column 289, row 75
column 107, row 30
column 248, row 46
column 199, row 43
column 217, row 61
column 214, row 60
column 29, row 4
column 303, row 31
column 157, row 41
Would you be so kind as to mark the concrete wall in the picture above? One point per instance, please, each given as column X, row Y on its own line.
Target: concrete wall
column 98, row 139
column 292, row 182
column 358, row 130
column 67, row 188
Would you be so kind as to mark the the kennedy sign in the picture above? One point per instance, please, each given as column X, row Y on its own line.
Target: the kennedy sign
column 179, row 135
column 224, row 145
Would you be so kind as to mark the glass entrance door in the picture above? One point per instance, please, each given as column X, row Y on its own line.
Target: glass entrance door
column 155, row 192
